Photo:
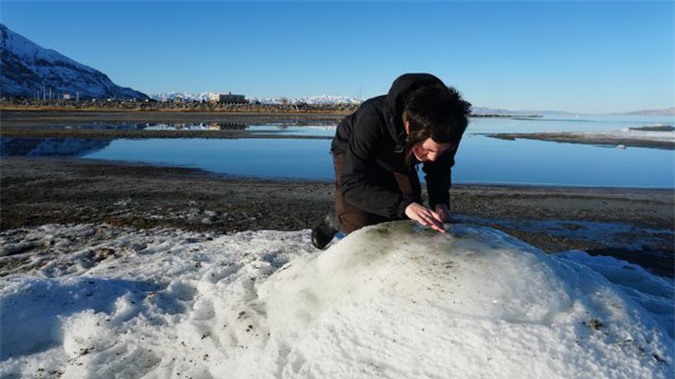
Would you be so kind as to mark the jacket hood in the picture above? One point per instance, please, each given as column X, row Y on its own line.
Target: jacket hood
column 393, row 102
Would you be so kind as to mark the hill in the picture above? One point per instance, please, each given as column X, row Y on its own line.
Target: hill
column 654, row 112
column 31, row 71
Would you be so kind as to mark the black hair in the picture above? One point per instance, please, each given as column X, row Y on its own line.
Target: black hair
column 437, row 112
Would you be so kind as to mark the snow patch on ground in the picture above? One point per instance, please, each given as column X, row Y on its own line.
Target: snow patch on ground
column 391, row 300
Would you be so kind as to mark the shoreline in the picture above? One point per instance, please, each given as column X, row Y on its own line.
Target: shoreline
column 589, row 138
column 632, row 224
column 23, row 117
column 232, row 125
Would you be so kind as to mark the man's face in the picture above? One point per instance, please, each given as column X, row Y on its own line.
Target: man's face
column 429, row 150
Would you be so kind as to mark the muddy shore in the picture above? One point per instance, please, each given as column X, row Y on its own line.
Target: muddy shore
column 588, row 139
column 37, row 191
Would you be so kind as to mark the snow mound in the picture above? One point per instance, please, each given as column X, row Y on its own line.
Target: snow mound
column 391, row 300
column 395, row 302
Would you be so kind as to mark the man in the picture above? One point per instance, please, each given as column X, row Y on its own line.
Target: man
column 376, row 151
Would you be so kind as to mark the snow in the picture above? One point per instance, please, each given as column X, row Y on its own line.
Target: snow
column 628, row 133
column 625, row 134
column 185, row 96
column 392, row 300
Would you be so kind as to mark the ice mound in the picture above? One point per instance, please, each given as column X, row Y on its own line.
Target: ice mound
column 388, row 301
column 395, row 301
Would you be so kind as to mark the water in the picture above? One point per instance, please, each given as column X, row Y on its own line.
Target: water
column 480, row 159
column 298, row 128
column 265, row 158
column 487, row 160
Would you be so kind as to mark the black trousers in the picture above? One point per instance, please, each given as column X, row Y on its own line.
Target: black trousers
column 350, row 217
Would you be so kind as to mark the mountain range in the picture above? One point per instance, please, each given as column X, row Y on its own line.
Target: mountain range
column 654, row 112
column 205, row 96
column 31, row 71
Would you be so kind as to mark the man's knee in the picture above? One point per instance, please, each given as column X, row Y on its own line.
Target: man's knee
column 351, row 221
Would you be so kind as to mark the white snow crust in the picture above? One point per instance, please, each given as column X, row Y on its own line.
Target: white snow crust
column 622, row 135
column 392, row 300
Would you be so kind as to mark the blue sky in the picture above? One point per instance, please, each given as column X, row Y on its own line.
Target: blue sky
column 579, row 56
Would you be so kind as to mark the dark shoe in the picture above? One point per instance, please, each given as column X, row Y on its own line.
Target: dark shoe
column 324, row 232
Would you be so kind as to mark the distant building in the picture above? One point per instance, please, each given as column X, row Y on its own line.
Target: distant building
column 66, row 96
column 214, row 98
column 232, row 99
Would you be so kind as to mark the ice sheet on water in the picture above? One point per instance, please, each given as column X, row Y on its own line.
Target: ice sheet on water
column 387, row 301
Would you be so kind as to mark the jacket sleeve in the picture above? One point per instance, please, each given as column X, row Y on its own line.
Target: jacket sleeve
column 357, row 181
column 438, row 176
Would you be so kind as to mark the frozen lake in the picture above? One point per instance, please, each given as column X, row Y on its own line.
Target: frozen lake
column 480, row 159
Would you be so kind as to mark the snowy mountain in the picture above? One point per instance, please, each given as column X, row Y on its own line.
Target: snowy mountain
column 506, row 112
column 185, row 96
column 204, row 96
column 31, row 71
column 327, row 99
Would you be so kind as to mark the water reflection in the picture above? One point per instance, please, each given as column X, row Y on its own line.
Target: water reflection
column 479, row 160
column 307, row 159
column 286, row 128
column 482, row 159
column 55, row 147
column 126, row 125
column 196, row 126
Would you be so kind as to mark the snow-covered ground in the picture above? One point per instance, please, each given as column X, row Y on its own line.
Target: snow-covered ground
column 643, row 137
column 629, row 133
column 392, row 301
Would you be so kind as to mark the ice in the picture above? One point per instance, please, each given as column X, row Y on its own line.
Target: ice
column 389, row 301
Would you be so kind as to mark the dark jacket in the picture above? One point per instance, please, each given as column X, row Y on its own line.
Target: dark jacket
column 373, row 141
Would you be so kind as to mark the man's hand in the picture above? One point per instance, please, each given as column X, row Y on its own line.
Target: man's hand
column 443, row 212
column 425, row 216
